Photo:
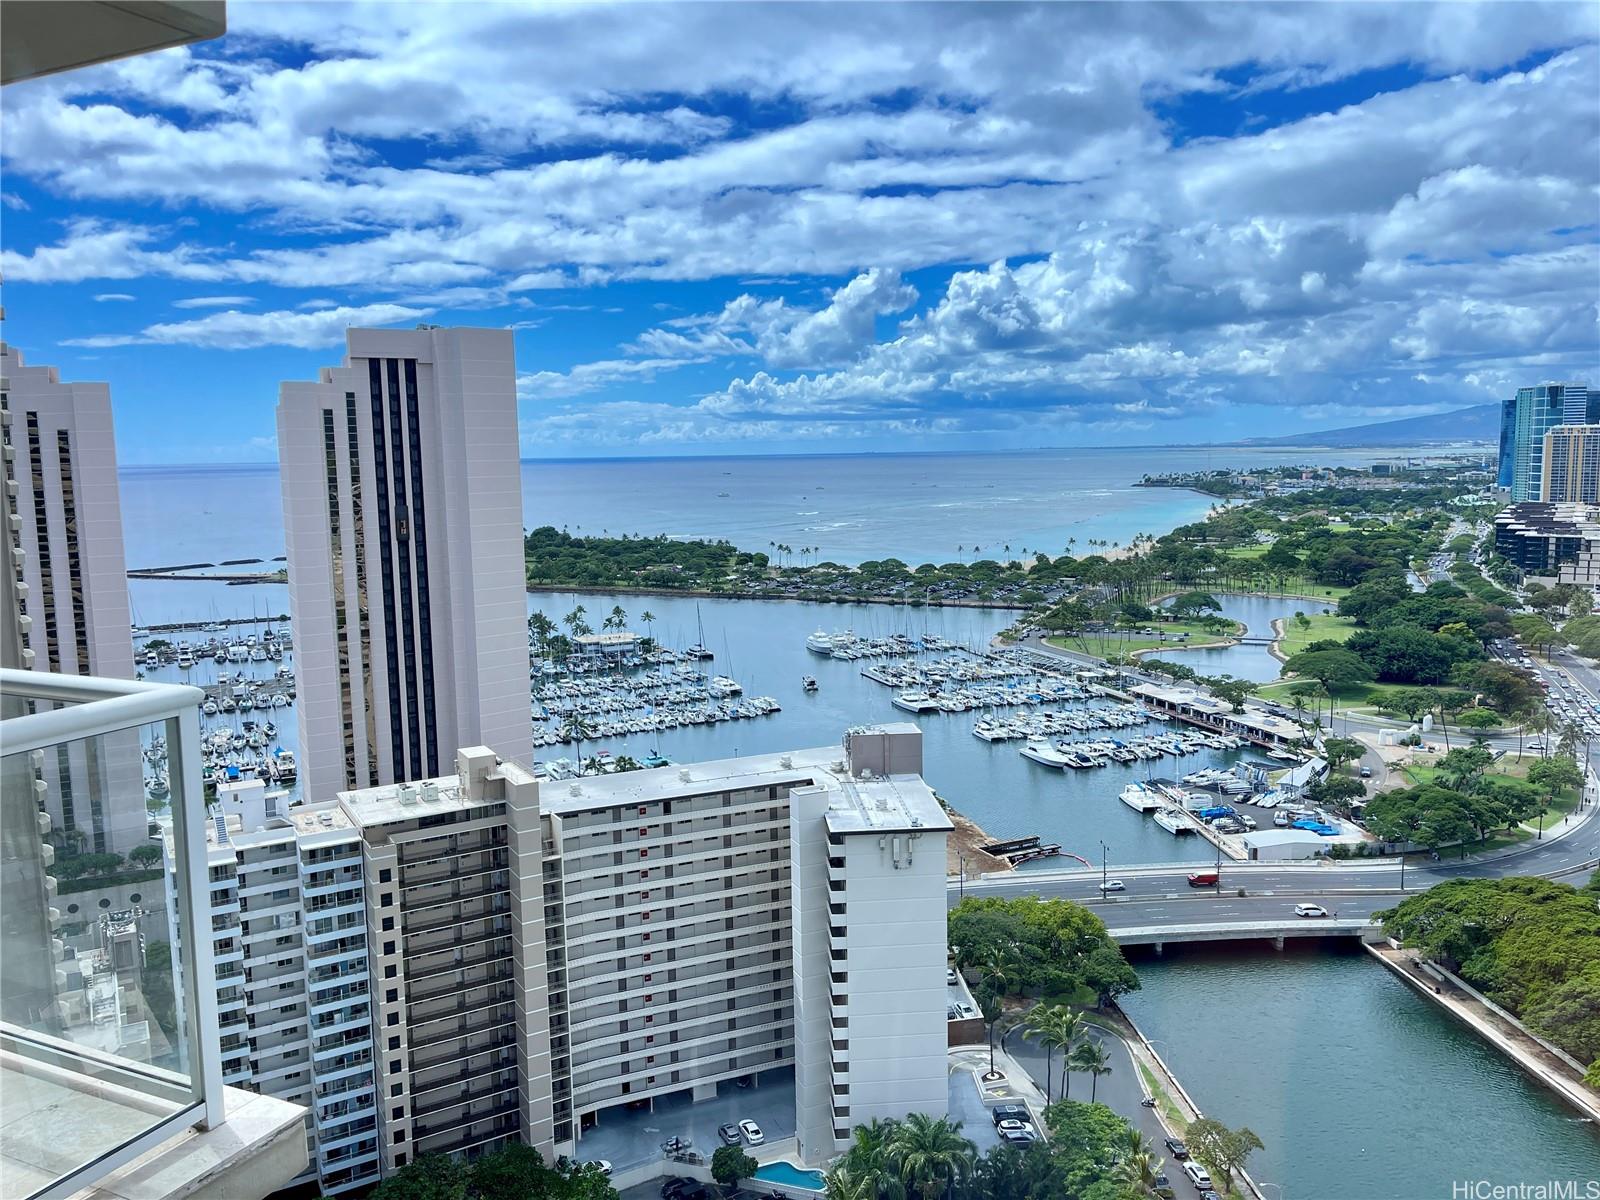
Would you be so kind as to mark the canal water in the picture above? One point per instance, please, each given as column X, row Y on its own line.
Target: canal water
column 1247, row 662
column 1356, row 1086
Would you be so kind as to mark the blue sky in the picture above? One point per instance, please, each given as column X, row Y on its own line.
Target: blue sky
column 751, row 228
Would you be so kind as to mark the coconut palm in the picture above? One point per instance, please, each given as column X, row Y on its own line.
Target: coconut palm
column 1138, row 1171
column 576, row 729
column 932, row 1155
column 870, row 1167
column 1089, row 1055
column 1041, row 1024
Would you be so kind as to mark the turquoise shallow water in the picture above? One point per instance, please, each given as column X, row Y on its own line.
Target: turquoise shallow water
column 793, row 1176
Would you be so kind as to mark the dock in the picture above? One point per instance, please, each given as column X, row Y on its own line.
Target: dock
column 1021, row 850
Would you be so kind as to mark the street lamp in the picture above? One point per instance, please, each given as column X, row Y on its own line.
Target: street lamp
column 962, row 885
column 1103, row 853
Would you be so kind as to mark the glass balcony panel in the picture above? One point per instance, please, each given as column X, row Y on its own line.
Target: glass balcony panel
column 100, row 975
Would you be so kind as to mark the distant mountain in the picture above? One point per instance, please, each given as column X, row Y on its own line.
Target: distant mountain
column 1480, row 423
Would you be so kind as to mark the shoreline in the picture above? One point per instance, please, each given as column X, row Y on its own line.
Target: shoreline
column 963, row 842
column 715, row 594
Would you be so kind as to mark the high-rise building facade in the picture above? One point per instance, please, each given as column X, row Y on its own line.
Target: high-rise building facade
column 69, row 586
column 1571, row 465
column 403, row 521
column 288, row 926
column 1527, row 419
column 713, row 922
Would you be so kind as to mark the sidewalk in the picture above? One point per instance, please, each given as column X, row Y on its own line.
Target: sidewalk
column 1500, row 1030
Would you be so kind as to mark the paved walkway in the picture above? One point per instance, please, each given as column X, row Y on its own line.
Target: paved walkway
column 1506, row 1036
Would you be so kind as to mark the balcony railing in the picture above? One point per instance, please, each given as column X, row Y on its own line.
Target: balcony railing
column 107, row 1050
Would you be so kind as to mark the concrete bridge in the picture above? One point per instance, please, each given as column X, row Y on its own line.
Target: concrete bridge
column 1275, row 931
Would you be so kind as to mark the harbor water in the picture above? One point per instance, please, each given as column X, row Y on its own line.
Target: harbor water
column 1355, row 1085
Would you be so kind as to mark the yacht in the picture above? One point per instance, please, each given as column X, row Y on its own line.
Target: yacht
column 1042, row 751
column 721, row 685
column 808, row 683
column 916, row 702
column 1140, row 798
column 820, row 643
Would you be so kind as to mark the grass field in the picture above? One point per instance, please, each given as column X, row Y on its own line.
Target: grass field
column 1321, row 627
column 1106, row 645
column 1560, row 804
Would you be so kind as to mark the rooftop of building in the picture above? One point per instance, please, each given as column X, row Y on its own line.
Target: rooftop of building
column 1202, row 702
column 428, row 797
column 856, row 804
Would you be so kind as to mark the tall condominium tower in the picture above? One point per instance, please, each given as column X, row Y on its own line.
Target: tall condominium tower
column 1571, row 466
column 67, row 597
column 1527, row 417
column 402, row 508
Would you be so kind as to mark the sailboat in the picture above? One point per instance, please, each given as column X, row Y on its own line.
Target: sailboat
column 699, row 650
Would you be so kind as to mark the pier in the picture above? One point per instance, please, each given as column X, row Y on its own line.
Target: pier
column 1021, row 850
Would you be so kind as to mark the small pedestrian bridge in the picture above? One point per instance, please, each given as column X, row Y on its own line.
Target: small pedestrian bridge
column 1274, row 931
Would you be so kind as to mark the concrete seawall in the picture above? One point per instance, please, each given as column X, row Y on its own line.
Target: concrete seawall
column 1553, row 1068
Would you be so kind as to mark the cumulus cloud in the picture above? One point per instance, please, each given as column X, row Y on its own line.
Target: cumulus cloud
column 1086, row 257
column 244, row 331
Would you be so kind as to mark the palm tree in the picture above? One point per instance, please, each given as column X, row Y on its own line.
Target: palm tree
column 932, row 1155
column 618, row 619
column 1068, row 1034
column 1089, row 1055
column 575, row 623
column 870, row 1165
column 576, row 728
column 1041, row 1024
column 648, row 618
column 1541, row 722
column 1137, row 1171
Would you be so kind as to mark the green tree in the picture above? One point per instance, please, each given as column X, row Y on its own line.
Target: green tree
column 1554, row 775
column 146, row 855
column 428, row 1177
column 932, row 1155
column 1340, row 750
column 1223, row 1150
column 1089, row 1055
column 1336, row 670
column 730, row 1164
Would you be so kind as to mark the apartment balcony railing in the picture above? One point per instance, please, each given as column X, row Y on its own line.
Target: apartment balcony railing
column 106, row 1053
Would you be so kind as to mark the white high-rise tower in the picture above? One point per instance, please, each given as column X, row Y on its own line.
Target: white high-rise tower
column 70, row 586
column 402, row 505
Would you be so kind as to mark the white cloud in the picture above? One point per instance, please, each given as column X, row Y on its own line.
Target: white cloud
column 105, row 297
column 244, row 331
column 214, row 302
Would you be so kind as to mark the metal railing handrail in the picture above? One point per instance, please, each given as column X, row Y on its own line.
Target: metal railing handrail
column 98, row 706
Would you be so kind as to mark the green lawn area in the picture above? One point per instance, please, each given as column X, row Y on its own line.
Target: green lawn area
column 1106, row 645
column 1245, row 551
column 1321, row 627
column 1356, row 696
column 1560, row 804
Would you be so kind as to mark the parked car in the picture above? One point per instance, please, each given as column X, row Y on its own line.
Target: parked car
column 752, row 1132
column 1198, row 1175
column 1011, row 1124
column 1177, row 1149
column 1010, row 1112
column 1113, row 885
column 952, row 1012
column 1162, row 1186
column 728, row 1134
column 1366, row 772
column 1020, row 1137
column 1208, row 1194
column 951, row 977
column 679, row 1188
column 1310, row 910
column 602, row 1165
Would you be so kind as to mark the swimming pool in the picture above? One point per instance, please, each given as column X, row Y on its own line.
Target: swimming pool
column 791, row 1176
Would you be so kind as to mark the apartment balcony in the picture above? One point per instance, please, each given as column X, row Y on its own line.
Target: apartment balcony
column 113, row 1081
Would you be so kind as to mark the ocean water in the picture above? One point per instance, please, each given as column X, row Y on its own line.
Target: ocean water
column 917, row 507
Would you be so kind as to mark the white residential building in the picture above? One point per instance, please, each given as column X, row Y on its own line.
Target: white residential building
column 714, row 921
column 70, row 585
column 403, row 520
column 288, row 927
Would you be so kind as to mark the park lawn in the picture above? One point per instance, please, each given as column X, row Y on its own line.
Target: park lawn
column 1105, row 645
column 1320, row 627
column 1256, row 551
column 1351, row 697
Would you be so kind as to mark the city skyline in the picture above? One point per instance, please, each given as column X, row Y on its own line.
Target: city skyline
column 1208, row 224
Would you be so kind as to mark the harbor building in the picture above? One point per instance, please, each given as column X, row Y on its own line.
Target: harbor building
column 68, row 582
column 1526, row 419
column 1571, row 466
column 287, row 922
column 712, row 922
column 403, row 521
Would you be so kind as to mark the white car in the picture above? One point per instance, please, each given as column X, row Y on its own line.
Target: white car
column 603, row 1165
column 950, row 976
column 1011, row 1125
column 1113, row 885
column 1310, row 910
column 1198, row 1175
column 752, row 1132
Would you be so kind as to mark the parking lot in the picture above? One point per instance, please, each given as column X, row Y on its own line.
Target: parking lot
column 625, row 1138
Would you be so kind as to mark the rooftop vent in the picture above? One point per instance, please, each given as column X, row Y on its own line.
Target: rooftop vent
column 786, row 762
column 684, row 776
column 430, row 791
column 406, row 795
